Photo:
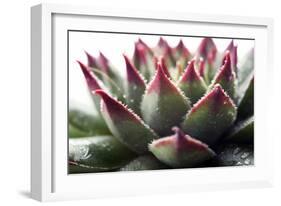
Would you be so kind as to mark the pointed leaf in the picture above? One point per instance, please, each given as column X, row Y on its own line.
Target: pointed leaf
column 147, row 162
column 180, row 150
column 105, row 71
column 180, row 51
column 243, row 132
column 192, row 84
column 201, row 67
column 245, row 72
column 207, row 49
column 210, row 116
column 98, row 153
column 125, row 125
column 233, row 55
column 246, row 106
column 161, row 61
column 92, row 61
column 163, row 104
column 143, row 60
column 135, row 86
column 145, row 45
column 92, row 82
column 226, row 77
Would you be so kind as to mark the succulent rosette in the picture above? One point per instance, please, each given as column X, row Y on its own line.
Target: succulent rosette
column 173, row 109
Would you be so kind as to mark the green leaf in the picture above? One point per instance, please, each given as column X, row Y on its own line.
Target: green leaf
column 98, row 153
column 163, row 104
column 107, row 73
column 226, row 77
column 75, row 132
column 192, row 84
column 135, row 86
column 180, row 150
column 243, row 132
column 245, row 72
column 82, row 118
column 235, row 155
column 181, row 52
column 210, row 116
column 143, row 60
column 125, row 125
column 147, row 162
column 246, row 106
column 207, row 52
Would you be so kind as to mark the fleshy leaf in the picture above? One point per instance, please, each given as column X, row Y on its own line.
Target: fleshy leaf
column 180, row 150
column 181, row 51
column 245, row 72
column 243, row 132
column 192, row 84
column 135, row 86
column 91, row 80
column 92, row 61
column 82, row 118
column 98, row 153
column 246, row 106
column 143, row 60
column 145, row 45
column 161, row 60
column 105, row 71
column 125, row 125
column 163, row 104
column 235, row 155
column 210, row 116
column 232, row 48
column 147, row 162
column 226, row 77
column 201, row 67
column 207, row 49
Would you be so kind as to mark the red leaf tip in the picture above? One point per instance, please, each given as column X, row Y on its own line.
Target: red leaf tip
column 217, row 95
column 184, row 141
column 226, row 71
column 115, row 108
column 160, row 82
column 92, row 62
column 132, row 73
column 207, row 48
column 89, row 76
column 140, row 52
column 190, row 73
column 162, row 42
column 178, row 132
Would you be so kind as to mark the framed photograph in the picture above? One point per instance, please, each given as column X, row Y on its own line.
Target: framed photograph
column 134, row 102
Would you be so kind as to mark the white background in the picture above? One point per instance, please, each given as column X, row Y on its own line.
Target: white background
column 15, row 109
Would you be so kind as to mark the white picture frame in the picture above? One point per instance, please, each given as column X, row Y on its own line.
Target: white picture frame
column 49, row 178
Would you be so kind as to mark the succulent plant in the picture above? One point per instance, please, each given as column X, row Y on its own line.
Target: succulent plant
column 173, row 109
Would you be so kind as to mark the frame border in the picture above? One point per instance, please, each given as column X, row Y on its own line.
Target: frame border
column 42, row 154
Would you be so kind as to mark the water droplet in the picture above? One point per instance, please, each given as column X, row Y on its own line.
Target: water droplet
column 245, row 155
column 247, row 161
column 239, row 163
column 236, row 151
